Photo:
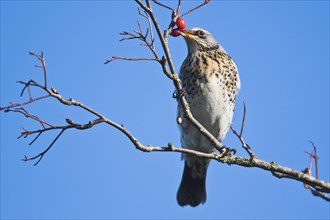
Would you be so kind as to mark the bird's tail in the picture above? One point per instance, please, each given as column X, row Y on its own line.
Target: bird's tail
column 192, row 190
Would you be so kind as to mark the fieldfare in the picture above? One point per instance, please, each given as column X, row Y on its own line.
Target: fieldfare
column 210, row 84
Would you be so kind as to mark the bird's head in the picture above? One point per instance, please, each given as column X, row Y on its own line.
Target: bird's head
column 199, row 39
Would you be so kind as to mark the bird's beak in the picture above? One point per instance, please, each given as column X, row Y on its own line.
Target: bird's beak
column 187, row 33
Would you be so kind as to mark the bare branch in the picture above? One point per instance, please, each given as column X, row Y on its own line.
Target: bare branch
column 129, row 59
column 243, row 120
column 15, row 104
column 308, row 170
column 41, row 155
column 27, row 85
column 142, row 37
column 38, row 135
column 176, row 12
column 320, row 194
column 162, row 5
column 197, row 7
column 277, row 170
column 28, row 115
column 152, row 39
column 240, row 136
column 41, row 58
column 316, row 158
column 164, row 67
column 179, row 6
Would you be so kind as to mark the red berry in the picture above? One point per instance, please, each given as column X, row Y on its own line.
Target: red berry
column 175, row 32
column 180, row 23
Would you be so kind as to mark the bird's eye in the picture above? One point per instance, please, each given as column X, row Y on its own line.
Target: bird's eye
column 201, row 33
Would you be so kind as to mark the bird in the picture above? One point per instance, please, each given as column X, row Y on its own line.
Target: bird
column 210, row 83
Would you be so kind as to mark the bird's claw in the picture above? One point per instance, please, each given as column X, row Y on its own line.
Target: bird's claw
column 177, row 95
column 226, row 151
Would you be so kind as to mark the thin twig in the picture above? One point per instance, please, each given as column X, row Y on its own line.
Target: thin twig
column 41, row 155
column 243, row 120
column 197, row 7
column 240, row 135
column 41, row 58
column 152, row 39
column 128, row 59
column 140, row 36
column 178, row 7
column 44, row 68
column 316, row 158
column 28, row 115
column 38, row 135
column 27, row 85
column 164, row 6
column 15, row 104
column 320, row 194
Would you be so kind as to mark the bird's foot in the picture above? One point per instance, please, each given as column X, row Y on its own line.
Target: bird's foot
column 226, row 151
column 178, row 95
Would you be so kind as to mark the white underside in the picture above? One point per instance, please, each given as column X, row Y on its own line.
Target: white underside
column 212, row 111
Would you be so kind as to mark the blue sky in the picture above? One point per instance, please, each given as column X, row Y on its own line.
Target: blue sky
column 282, row 52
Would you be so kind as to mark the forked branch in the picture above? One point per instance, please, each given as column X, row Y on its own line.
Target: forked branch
column 139, row 35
